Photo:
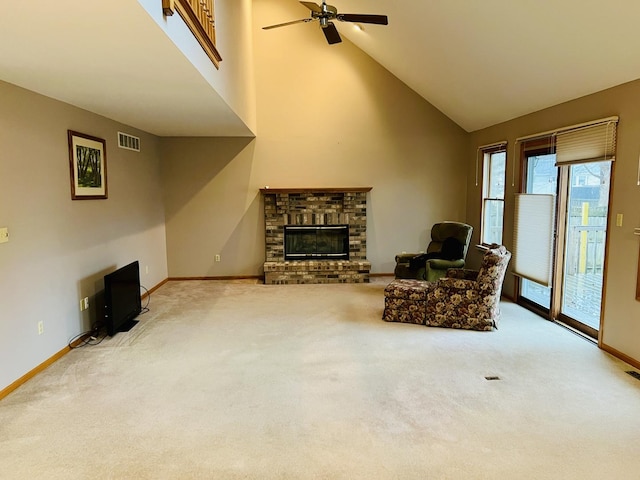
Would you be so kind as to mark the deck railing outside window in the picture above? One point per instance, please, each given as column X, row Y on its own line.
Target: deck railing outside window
column 199, row 17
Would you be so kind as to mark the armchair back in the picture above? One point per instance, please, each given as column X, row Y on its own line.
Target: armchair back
column 440, row 232
column 443, row 230
column 491, row 275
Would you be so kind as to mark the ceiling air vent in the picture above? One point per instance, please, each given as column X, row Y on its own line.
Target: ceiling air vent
column 128, row 142
column 634, row 374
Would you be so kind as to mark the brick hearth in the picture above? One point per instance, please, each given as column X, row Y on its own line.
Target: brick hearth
column 317, row 206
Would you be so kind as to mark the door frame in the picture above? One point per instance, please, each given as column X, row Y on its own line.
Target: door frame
column 545, row 145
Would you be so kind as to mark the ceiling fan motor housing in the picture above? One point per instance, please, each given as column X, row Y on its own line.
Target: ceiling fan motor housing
column 329, row 12
column 325, row 13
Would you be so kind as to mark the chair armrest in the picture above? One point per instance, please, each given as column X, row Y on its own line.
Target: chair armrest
column 462, row 273
column 441, row 264
column 455, row 284
column 405, row 257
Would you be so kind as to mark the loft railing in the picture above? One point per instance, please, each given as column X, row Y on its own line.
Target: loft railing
column 199, row 17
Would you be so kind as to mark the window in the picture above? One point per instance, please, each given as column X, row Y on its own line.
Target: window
column 493, row 181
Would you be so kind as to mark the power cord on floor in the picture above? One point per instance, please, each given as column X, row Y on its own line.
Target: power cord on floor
column 92, row 337
column 145, row 309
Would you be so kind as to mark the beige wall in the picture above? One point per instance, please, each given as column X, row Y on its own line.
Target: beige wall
column 234, row 80
column 211, row 207
column 328, row 116
column 60, row 249
column 621, row 327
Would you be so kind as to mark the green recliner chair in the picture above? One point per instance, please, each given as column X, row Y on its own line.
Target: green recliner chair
column 420, row 267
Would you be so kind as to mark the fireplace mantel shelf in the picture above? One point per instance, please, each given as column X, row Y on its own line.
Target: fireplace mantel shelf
column 316, row 190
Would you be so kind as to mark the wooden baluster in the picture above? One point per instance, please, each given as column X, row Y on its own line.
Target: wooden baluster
column 168, row 7
column 198, row 15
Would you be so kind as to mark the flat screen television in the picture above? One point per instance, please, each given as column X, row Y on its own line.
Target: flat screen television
column 122, row 302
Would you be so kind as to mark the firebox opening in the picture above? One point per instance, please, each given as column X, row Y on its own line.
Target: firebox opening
column 316, row 242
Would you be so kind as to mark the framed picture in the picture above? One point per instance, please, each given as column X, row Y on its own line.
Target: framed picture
column 88, row 166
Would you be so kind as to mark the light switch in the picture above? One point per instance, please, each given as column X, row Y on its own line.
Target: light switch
column 619, row 220
column 4, row 235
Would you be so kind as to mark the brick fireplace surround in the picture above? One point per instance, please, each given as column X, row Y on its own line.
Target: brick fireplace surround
column 315, row 206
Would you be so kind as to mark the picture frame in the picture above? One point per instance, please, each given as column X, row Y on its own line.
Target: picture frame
column 88, row 166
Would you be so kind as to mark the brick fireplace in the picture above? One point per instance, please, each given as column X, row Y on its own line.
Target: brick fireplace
column 294, row 208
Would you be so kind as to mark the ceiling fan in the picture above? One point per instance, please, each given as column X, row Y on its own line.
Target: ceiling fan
column 325, row 13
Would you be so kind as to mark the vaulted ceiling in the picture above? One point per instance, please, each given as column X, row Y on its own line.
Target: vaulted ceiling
column 485, row 62
column 479, row 62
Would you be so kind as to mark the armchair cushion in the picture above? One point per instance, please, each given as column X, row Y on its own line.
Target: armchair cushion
column 407, row 289
column 436, row 268
column 404, row 301
column 442, row 264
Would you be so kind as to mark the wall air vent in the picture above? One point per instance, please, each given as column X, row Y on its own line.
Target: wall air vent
column 128, row 142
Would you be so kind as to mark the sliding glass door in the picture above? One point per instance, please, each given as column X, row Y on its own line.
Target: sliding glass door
column 586, row 230
column 582, row 202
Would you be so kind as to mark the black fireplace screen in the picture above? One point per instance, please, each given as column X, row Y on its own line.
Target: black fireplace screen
column 306, row 242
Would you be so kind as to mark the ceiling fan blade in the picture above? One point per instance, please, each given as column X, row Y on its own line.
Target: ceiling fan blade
column 331, row 33
column 363, row 18
column 304, row 20
column 314, row 7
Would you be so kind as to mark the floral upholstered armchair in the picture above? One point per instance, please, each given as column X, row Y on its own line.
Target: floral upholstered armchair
column 469, row 299
column 435, row 262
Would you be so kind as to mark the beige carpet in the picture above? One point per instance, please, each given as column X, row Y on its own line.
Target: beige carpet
column 237, row 380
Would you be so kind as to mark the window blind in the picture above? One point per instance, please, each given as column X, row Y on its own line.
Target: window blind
column 533, row 237
column 591, row 143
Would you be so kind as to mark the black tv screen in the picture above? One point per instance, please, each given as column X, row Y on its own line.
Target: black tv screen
column 122, row 298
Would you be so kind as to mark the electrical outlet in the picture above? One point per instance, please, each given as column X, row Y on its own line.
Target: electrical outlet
column 40, row 327
column 146, row 269
column 217, row 258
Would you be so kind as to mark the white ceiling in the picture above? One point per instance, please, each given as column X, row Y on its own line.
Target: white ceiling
column 482, row 62
column 479, row 62
column 71, row 49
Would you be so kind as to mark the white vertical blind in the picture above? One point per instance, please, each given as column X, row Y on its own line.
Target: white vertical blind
column 591, row 143
column 533, row 237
